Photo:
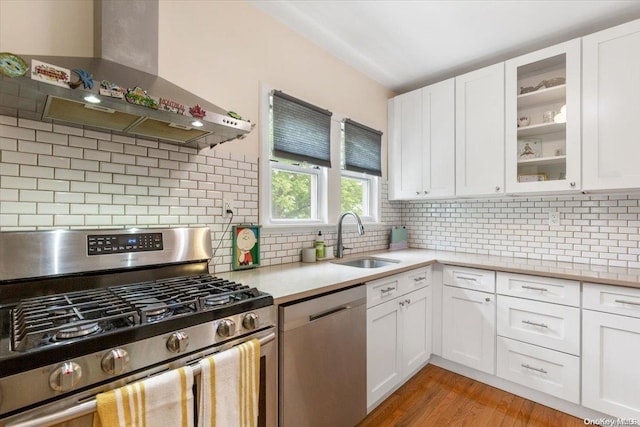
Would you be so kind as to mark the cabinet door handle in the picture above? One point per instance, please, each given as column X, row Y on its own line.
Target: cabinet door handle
column 402, row 303
column 487, row 299
column 534, row 288
column 417, row 193
column 408, row 301
column 426, row 192
column 572, row 184
column 471, row 279
column 529, row 322
column 621, row 301
column 497, row 188
column 386, row 290
column 542, row 371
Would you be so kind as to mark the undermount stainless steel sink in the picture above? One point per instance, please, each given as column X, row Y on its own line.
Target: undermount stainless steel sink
column 369, row 262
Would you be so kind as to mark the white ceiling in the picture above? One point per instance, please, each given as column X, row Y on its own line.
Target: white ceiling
column 407, row 44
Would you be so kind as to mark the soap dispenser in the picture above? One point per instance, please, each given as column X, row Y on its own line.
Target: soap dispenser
column 319, row 245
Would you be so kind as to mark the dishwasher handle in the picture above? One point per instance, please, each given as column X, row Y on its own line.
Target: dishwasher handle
column 329, row 312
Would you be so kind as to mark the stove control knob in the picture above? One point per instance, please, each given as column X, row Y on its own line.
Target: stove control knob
column 65, row 377
column 177, row 342
column 226, row 328
column 250, row 321
column 115, row 361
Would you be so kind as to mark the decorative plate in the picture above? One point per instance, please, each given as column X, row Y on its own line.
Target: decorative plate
column 12, row 65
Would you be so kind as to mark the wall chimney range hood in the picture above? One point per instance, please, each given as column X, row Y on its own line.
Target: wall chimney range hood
column 26, row 98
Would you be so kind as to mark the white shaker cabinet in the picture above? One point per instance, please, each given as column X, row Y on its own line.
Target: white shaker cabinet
column 384, row 350
column 611, row 108
column 399, row 332
column 543, row 120
column 469, row 318
column 421, row 143
column 480, row 132
column 610, row 348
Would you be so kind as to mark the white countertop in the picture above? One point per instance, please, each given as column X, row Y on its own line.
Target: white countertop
column 290, row 282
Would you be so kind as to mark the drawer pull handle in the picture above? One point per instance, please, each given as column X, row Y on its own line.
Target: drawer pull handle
column 542, row 371
column 534, row 288
column 419, row 279
column 621, row 301
column 529, row 322
column 408, row 301
column 471, row 279
column 386, row 290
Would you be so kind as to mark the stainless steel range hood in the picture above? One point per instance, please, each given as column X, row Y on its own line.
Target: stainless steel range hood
column 126, row 55
column 27, row 98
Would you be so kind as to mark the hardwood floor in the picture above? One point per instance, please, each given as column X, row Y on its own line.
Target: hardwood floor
column 437, row 397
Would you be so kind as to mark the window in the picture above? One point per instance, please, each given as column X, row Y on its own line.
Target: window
column 361, row 164
column 306, row 177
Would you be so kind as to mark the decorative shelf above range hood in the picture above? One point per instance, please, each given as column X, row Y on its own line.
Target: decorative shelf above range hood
column 27, row 98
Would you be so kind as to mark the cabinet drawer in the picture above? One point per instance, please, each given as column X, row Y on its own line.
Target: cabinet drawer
column 382, row 290
column 611, row 299
column 415, row 279
column 546, row 289
column 470, row 278
column 548, row 325
column 545, row 370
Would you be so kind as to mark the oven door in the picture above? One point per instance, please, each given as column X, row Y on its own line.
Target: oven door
column 78, row 410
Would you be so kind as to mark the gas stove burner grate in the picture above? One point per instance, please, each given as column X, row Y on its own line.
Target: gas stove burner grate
column 50, row 319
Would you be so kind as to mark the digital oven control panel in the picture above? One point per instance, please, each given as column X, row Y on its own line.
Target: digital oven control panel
column 103, row 244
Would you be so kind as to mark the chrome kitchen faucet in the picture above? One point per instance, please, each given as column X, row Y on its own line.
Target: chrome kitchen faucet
column 339, row 248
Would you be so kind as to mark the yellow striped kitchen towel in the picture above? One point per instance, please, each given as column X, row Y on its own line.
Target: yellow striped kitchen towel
column 230, row 386
column 163, row 400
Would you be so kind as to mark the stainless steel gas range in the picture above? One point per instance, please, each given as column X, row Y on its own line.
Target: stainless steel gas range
column 83, row 312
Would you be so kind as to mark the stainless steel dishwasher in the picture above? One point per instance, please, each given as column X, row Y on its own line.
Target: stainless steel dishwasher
column 322, row 363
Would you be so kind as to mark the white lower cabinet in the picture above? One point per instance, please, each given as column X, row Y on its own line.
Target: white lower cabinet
column 399, row 337
column 384, row 350
column 548, row 325
column 539, row 334
column 610, row 348
column 548, row 371
column 469, row 328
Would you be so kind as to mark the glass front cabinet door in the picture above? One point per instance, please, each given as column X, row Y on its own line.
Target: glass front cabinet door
column 543, row 120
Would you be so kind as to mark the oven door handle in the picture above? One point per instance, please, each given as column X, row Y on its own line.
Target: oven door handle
column 90, row 407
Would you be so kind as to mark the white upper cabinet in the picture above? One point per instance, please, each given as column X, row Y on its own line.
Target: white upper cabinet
column 542, row 129
column 611, row 108
column 480, row 132
column 421, row 143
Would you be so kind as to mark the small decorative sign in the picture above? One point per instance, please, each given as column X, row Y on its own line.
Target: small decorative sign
column 111, row 89
column 197, row 112
column 171, row 106
column 84, row 78
column 139, row 97
column 245, row 247
column 51, row 74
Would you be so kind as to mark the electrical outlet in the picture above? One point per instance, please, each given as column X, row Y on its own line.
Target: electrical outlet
column 554, row 218
column 227, row 205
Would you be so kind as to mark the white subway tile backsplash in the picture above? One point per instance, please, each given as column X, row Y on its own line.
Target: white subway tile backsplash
column 163, row 184
column 19, row 158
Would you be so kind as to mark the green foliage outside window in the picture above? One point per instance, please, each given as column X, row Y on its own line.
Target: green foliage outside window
column 290, row 195
column 351, row 195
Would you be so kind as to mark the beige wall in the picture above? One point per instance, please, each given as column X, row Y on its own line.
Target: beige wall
column 224, row 49
column 47, row 27
column 220, row 50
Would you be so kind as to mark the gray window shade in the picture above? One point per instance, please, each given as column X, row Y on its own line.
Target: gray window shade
column 301, row 131
column 362, row 147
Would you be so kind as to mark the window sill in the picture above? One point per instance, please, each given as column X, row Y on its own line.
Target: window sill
column 313, row 228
